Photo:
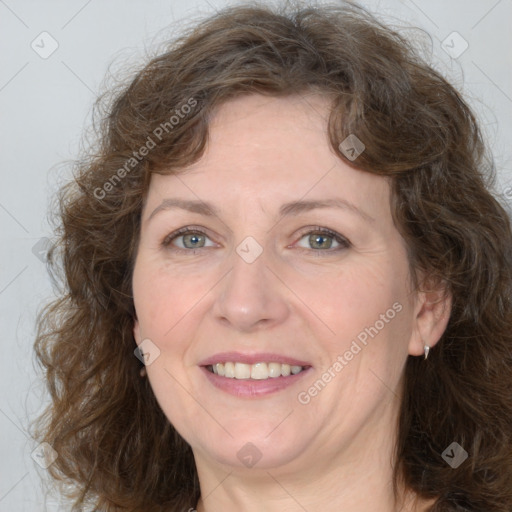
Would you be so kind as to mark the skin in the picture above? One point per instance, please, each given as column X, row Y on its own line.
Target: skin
column 296, row 299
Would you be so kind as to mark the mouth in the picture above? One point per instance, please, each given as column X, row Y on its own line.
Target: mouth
column 253, row 376
column 257, row 371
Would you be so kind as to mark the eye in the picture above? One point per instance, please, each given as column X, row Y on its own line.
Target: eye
column 187, row 239
column 322, row 239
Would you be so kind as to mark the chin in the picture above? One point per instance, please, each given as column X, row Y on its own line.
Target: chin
column 256, row 448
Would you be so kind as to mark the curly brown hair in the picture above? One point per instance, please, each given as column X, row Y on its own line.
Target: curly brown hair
column 116, row 449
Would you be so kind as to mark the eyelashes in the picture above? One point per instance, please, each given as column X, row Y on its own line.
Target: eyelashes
column 318, row 235
column 182, row 233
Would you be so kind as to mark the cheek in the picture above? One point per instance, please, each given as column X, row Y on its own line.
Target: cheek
column 348, row 301
column 165, row 307
column 163, row 298
column 370, row 315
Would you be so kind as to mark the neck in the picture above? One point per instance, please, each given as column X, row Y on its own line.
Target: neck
column 272, row 492
column 358, row 478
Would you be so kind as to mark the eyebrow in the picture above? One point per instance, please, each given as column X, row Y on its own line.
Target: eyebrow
column 286, row 210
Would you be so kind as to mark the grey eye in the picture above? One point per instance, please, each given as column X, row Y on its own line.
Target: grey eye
column 193, row 240
column 319, row 241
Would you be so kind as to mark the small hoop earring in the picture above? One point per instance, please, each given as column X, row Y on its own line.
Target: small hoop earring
column 426, row 348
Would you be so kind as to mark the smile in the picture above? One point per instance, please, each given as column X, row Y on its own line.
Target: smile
column 258, row 371
column 251, row 381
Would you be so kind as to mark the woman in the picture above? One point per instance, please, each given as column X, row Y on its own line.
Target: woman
column 288, row 284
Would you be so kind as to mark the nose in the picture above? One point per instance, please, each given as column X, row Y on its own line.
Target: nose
column 251, row 296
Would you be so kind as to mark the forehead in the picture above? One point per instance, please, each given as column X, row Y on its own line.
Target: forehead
column 264, row 151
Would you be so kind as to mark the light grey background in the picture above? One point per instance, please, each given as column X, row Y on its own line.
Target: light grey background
column 45, row 104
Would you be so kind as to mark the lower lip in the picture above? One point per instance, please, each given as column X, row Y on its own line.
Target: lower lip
column 253, row 388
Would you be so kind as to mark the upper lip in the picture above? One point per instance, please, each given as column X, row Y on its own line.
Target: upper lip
column 262, row 357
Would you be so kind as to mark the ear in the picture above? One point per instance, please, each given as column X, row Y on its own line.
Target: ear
column 136, row 331
column 432, row 310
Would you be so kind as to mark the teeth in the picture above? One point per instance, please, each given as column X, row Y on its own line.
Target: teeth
column 274, row 369
column 229, row 370
column 242, row 371
column 258, row 371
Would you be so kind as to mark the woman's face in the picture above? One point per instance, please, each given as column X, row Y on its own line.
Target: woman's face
column 295, row 262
